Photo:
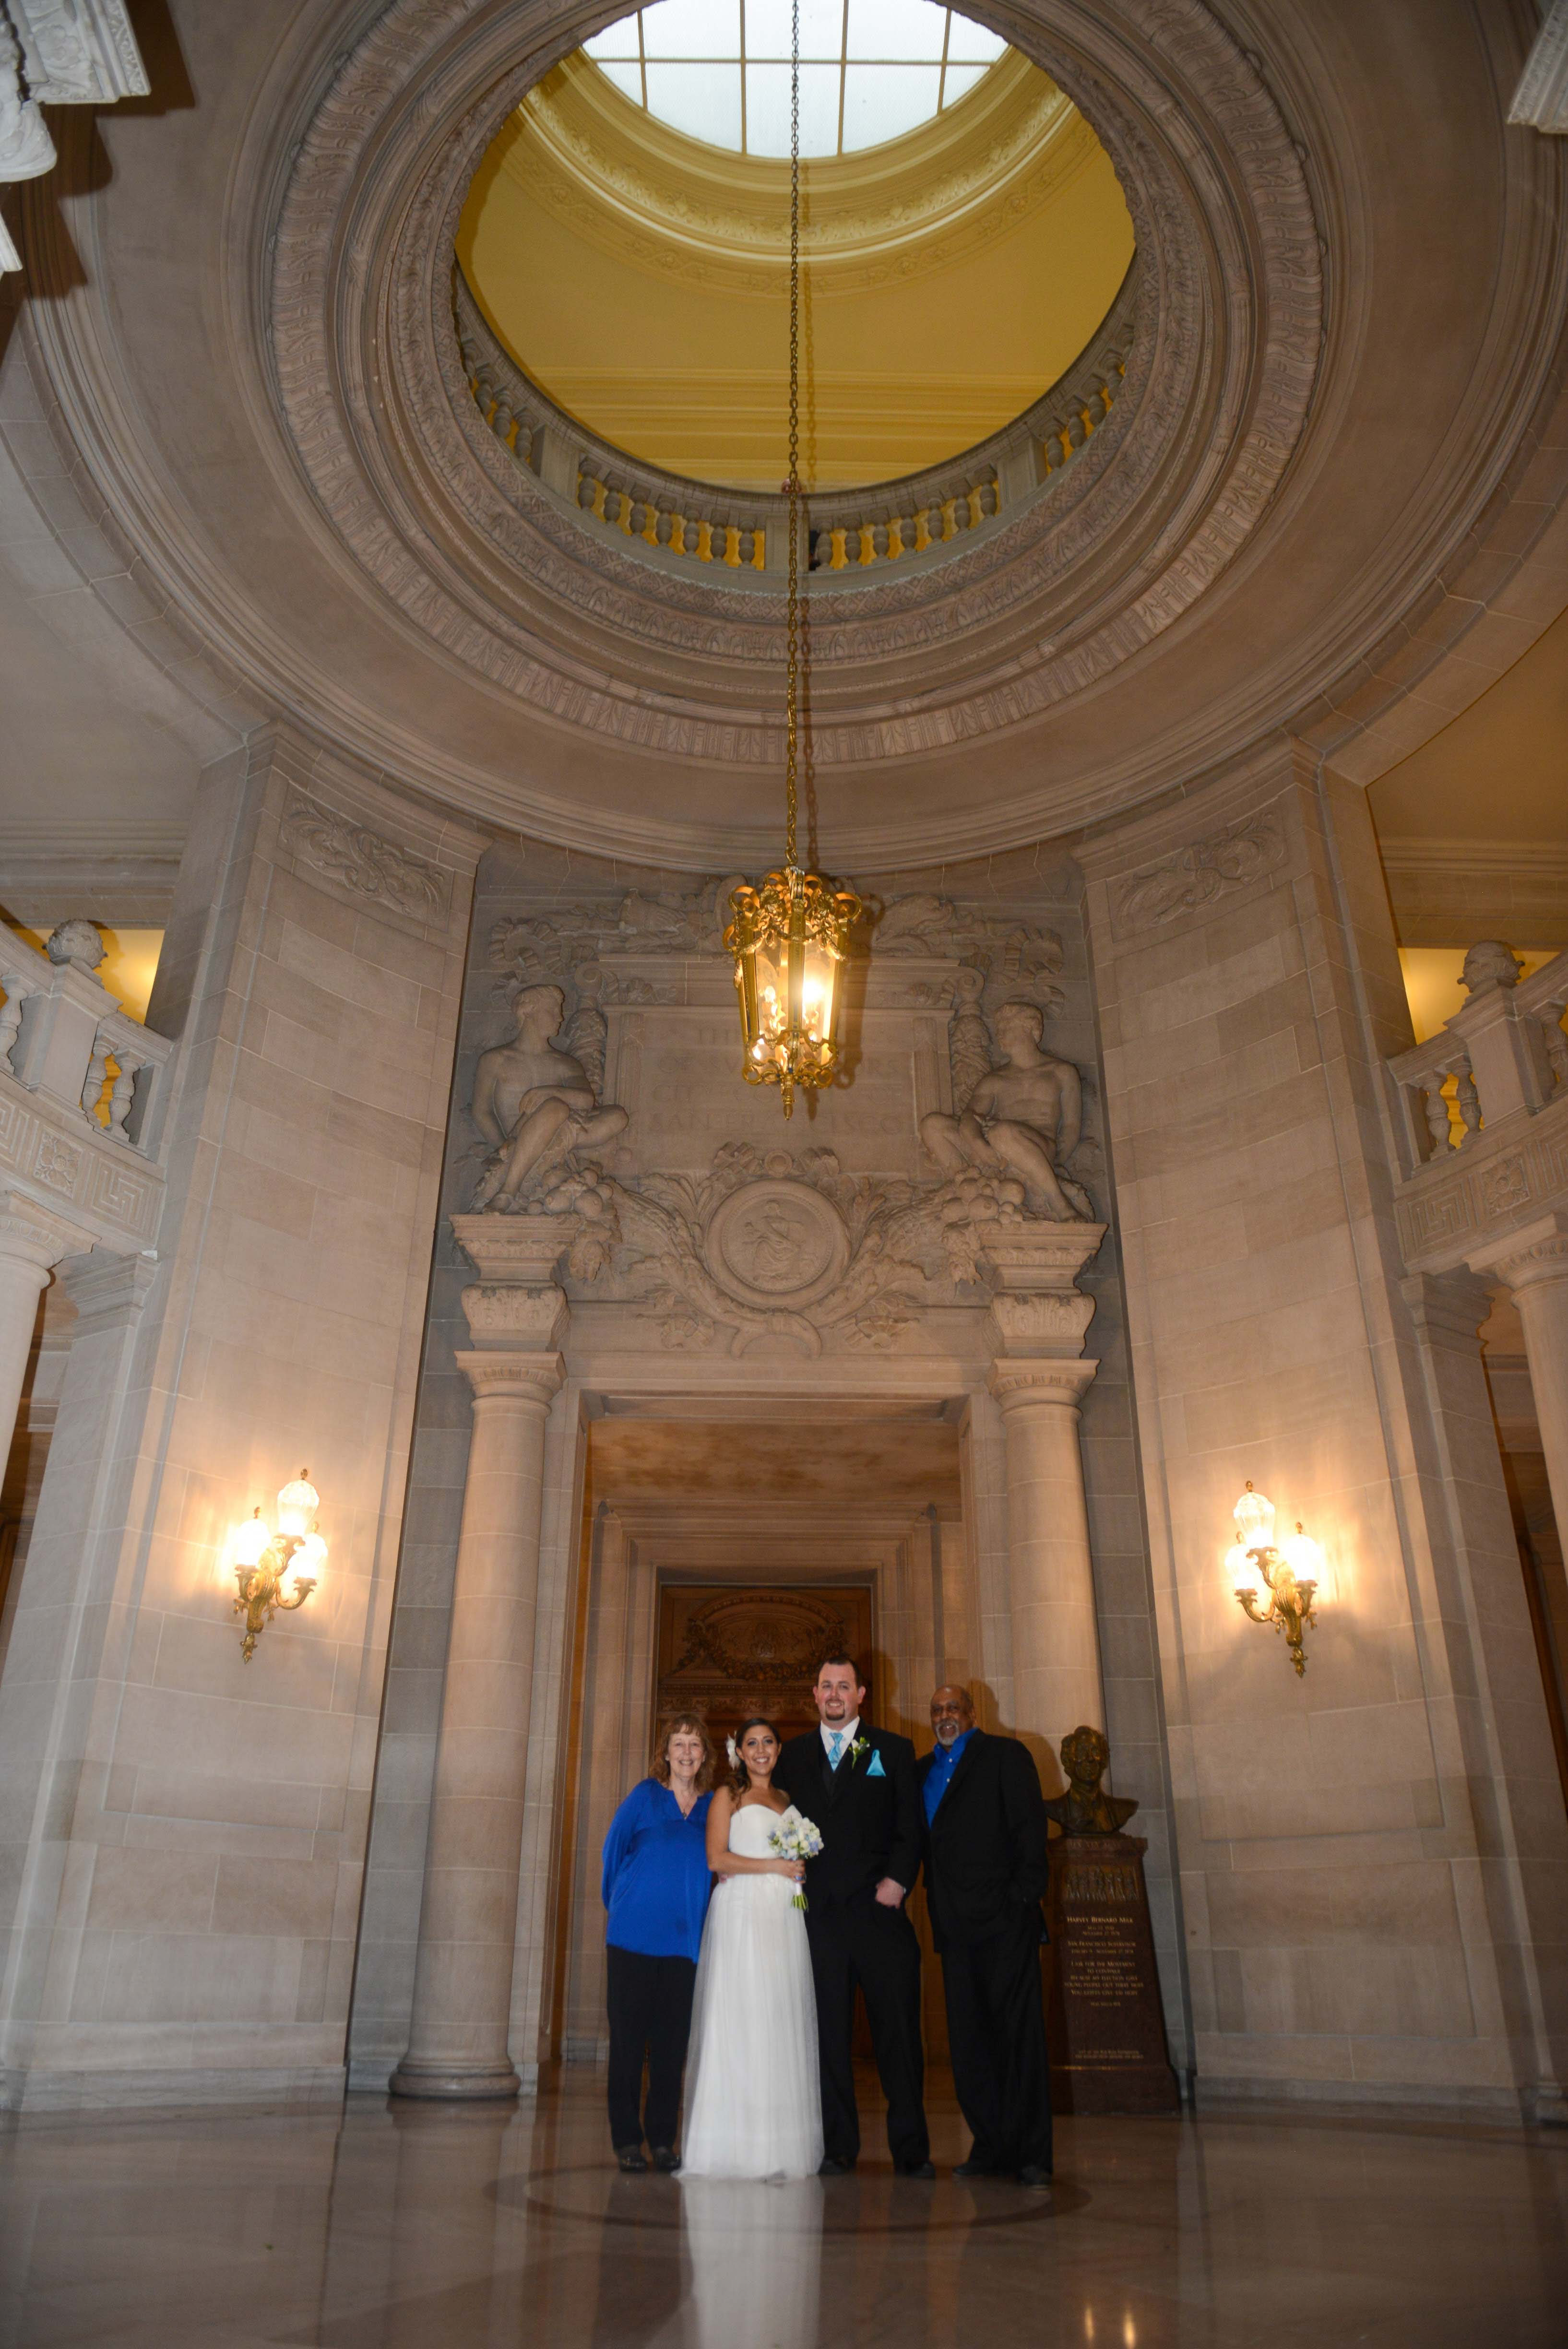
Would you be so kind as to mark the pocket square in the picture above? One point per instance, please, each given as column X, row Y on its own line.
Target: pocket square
column 875, row 1770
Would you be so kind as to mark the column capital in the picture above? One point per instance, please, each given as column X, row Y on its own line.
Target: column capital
column 107, row 1290
column 1531, row 1258
column 1017, row 1384
column 504, row 1316
column 521, row 1378
column 30, row 1234
column 1448, row 1308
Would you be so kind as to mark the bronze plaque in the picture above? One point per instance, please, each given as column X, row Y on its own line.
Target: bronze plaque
column 726, row 1651
column 1107, row 2026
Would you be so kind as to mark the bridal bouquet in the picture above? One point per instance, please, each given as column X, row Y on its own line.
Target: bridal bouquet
column 795, row 1839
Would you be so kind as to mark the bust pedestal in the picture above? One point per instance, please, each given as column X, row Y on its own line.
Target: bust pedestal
column 1105, row 2022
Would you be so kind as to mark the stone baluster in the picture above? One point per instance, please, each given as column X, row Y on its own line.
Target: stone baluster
column 462, row 1984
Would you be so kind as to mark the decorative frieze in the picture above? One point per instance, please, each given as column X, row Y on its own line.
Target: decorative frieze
column 1235, row 857
column 364, row 863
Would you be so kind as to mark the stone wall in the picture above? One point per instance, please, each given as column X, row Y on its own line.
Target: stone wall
column 1374, row 1859
column 183, row 1832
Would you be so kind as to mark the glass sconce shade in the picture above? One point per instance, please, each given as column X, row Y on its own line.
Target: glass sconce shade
column 297, row 1505
column 310, row 1557
column 252, row 1539
column 788, row 938
column 1254, row 1515
column 1243, row 1569
column 1303, row 1557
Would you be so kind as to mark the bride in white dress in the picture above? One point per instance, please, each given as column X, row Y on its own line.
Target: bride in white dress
column 754, row 2102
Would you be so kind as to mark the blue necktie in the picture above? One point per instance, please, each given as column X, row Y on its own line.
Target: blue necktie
column 836, row 1748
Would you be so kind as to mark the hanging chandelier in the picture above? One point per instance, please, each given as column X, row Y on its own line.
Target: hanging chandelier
column 790, row 933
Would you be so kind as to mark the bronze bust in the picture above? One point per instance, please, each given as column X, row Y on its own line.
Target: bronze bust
column 1083, row 1810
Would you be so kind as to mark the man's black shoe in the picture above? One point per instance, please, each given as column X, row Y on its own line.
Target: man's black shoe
column 666, row 2157
column 831, row 2166
column 1037, row 2179
column 918, row 2169
column 630, row 2156
column 972, row 2169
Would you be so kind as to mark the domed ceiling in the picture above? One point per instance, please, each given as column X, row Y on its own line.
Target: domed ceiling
column 1240, row 509
column 952, row 269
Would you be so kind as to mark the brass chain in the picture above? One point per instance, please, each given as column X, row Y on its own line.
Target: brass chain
column 792, row 632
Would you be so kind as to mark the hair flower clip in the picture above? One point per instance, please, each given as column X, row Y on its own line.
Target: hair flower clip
column 734, row 1750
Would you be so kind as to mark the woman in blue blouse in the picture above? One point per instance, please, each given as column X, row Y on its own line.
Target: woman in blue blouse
column 655, row 1887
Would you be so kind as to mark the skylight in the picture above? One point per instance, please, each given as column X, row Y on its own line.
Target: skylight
column 870, row 69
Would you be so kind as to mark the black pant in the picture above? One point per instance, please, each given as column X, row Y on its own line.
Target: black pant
column 996, row 2037
column 864, row 1942
column 649, row 2004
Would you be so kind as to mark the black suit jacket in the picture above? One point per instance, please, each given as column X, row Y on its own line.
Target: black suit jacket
column 985, row 1849
column 871, row 1826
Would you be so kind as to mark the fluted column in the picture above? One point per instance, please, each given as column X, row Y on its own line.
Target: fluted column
column 30, row 1246
column 1534, row 1264
column 462, row 1984
column 1056, row 1639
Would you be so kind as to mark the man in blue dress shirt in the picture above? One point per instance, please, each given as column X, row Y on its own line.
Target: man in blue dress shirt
column 986, row 1872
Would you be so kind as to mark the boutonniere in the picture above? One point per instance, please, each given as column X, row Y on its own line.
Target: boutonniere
column 860, row 1745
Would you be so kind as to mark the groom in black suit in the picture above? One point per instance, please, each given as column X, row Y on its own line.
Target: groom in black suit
column 859, row 1785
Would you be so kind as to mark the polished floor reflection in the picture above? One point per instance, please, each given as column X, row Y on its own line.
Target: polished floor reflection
column 409, row 2227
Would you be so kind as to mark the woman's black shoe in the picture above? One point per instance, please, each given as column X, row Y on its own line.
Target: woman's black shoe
column 630, row 2156
column 666, row 2157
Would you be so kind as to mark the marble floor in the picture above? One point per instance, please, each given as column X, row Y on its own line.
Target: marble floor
column 405, row 2227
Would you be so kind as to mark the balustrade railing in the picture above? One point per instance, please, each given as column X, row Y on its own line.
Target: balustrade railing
column 848, row 533
column 1505, row 1051
column 64, row 1040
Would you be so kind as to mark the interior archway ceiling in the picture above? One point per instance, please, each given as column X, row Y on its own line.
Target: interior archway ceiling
column 638, row 277
column 1281, row 490
column 472, row 548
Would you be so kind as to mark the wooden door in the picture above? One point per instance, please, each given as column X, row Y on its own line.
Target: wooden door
column 726, row 1651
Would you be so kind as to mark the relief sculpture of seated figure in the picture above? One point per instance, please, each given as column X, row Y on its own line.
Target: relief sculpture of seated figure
column 534, row 1102
column 1022, row 1119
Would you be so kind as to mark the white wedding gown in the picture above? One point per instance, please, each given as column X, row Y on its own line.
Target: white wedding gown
column 754, row 2101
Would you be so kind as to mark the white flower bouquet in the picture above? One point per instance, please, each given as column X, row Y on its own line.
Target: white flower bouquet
column 795, row 1839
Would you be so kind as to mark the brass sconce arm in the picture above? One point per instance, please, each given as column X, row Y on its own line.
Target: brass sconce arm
column 1290, row 1603
column 1273, row 1586
column 265, row 1562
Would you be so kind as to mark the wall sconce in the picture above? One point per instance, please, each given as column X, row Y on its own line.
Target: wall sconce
column 1273, row 1586
column 265, row 1561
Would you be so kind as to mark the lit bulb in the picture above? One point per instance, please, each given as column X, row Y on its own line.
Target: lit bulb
column 1254, row 1515
column 250, row 1540
column 1242, row 1569
column 310, row 1557
column 297, row 1505
column 1303, row 1557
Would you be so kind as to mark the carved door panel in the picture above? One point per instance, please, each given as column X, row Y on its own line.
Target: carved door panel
column 725, row 1651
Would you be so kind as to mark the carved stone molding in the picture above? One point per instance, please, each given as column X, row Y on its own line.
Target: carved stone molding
column 1028, row 1385
column 1536, row 1257
column 511, row 1315
column 1236, row 857
column 364, row 233
column 1475, row 1199
column 364, row 864
column 513, row 1377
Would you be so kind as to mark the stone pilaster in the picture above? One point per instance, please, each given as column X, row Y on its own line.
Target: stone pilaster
column 462, row 1984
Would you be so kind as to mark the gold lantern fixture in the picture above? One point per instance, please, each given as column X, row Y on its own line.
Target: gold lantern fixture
column 790, row 935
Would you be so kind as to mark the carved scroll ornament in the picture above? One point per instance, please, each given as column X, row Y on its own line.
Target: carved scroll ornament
column 366, row 864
